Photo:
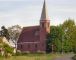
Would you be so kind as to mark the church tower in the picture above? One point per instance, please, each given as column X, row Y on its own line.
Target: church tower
column 44, row 20
column 44, row 26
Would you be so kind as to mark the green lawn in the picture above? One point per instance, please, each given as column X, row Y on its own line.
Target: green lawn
column 32, row 57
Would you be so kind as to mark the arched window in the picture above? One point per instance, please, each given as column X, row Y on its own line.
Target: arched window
column 36, row 46
column 21, row 46
column 28, row 46
column 36, row 32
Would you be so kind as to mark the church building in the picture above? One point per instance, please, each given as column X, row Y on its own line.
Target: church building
column 33, row 38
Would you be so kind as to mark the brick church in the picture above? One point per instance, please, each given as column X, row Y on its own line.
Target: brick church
column 33, row 39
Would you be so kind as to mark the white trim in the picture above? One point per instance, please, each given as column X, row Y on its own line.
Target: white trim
column 27, row 42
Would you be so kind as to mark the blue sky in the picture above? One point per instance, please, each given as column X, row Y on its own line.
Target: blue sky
column 28, row 12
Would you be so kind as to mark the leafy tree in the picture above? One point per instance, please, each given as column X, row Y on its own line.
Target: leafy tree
column 4, row 32
column 54, row 39
column 62, row 37
column 69, row 35
column 73, row 39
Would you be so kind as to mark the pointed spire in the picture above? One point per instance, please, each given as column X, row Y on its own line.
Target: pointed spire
column 44, row 15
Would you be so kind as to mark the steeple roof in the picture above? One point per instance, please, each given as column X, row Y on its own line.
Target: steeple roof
column 44, row 15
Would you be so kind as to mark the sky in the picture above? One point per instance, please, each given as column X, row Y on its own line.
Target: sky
column 28, row 12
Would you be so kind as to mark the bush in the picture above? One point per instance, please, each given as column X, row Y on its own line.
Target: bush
column 8, row 49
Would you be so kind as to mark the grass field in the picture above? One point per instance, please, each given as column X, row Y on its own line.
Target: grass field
column 32, row 57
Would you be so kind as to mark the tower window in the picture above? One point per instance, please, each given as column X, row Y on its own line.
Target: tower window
column 43, row 25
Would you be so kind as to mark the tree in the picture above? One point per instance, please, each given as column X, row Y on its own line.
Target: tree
column 4, row 32
column 69, row 35
column 54, row 39
column 73, row 39
column 62, row 38
column 14, row 33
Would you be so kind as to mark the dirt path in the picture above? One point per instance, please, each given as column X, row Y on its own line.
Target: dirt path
column 65, row 57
